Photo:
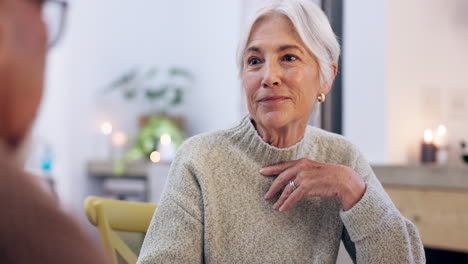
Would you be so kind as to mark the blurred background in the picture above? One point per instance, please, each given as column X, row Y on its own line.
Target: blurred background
column 130, row 80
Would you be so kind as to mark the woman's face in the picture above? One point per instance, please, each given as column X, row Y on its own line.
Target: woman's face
column 280, row 76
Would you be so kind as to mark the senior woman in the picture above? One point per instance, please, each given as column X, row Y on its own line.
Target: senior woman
column 273, row 189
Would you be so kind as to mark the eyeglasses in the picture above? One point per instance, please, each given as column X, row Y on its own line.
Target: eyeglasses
column 54, row 15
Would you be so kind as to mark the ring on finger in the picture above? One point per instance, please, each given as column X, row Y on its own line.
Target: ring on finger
column 292, row 185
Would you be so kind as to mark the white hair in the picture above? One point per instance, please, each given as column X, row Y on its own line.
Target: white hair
column 311, row 25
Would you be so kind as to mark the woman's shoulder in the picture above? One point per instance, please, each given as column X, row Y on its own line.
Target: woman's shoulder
column 332, row 146
column 322, row 136
column 203, row 145
column 219, row 139
column 212, row 138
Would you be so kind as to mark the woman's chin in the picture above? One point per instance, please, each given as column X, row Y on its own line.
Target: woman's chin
column 274, row 119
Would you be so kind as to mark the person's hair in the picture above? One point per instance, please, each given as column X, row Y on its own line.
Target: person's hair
column 311, row 25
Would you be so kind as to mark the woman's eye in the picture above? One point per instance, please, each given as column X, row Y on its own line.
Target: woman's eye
column 253, row 61
column 289, row 58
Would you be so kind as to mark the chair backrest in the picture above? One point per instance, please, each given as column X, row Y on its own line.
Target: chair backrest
column 109, row 215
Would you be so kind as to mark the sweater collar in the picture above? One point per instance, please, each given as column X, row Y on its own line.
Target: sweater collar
column 247, row 138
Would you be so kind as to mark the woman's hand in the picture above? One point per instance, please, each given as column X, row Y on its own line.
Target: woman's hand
column 313, row 178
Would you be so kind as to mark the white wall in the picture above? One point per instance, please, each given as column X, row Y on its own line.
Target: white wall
column 406, row 64
column 106, row 38
column 364, row 76
column 427, row 81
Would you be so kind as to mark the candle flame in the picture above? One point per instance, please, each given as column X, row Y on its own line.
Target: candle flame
column 441, row 130
column 428, row 137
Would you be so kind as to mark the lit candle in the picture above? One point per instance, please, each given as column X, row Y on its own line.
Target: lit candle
column 119, row 139
column 428, row 137
column 441, row 143
column 428, row 150
column 441, row 136
column 166, row 148
column 106, row 131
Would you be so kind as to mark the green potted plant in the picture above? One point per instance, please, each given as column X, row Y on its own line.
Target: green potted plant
column 163, row 91
column 150, row 135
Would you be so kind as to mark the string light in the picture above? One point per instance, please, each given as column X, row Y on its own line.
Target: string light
column 155, row 157
column 165, row 139
column 106, row 128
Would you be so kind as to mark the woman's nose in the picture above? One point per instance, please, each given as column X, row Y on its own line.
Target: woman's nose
column 271, row 76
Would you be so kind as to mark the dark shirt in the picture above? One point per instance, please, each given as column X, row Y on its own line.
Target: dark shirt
column 33, row 228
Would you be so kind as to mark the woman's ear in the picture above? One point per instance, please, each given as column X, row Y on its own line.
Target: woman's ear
column 334, row 67
column 326, row 89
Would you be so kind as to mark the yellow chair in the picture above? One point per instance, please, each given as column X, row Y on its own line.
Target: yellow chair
column 109, row 215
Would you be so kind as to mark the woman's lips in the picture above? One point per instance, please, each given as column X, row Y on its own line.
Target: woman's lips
column 273, row 99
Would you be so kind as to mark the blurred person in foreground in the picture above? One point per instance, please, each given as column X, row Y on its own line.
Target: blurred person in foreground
column 273, row 189
column 33, row 228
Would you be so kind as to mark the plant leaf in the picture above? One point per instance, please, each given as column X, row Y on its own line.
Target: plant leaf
column 123, row 80
column 152, row 93
column 130, row 94
column 151, row 73
column 177, row 97
column 136, row 153
column 177, row 71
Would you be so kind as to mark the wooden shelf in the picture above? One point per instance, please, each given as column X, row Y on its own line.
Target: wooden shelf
column 138, row 169
column 432, row 177
column 434, row 198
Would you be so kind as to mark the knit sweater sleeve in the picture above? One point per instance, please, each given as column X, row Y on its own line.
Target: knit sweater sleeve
column 175, row 234
column 374, row 229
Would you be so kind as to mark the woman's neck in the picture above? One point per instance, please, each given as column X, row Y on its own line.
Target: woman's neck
column 282, row 137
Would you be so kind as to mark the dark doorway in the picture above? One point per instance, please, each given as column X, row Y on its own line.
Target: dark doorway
column 332, row 110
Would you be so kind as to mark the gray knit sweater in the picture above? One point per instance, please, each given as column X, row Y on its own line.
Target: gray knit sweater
column 213, row 211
